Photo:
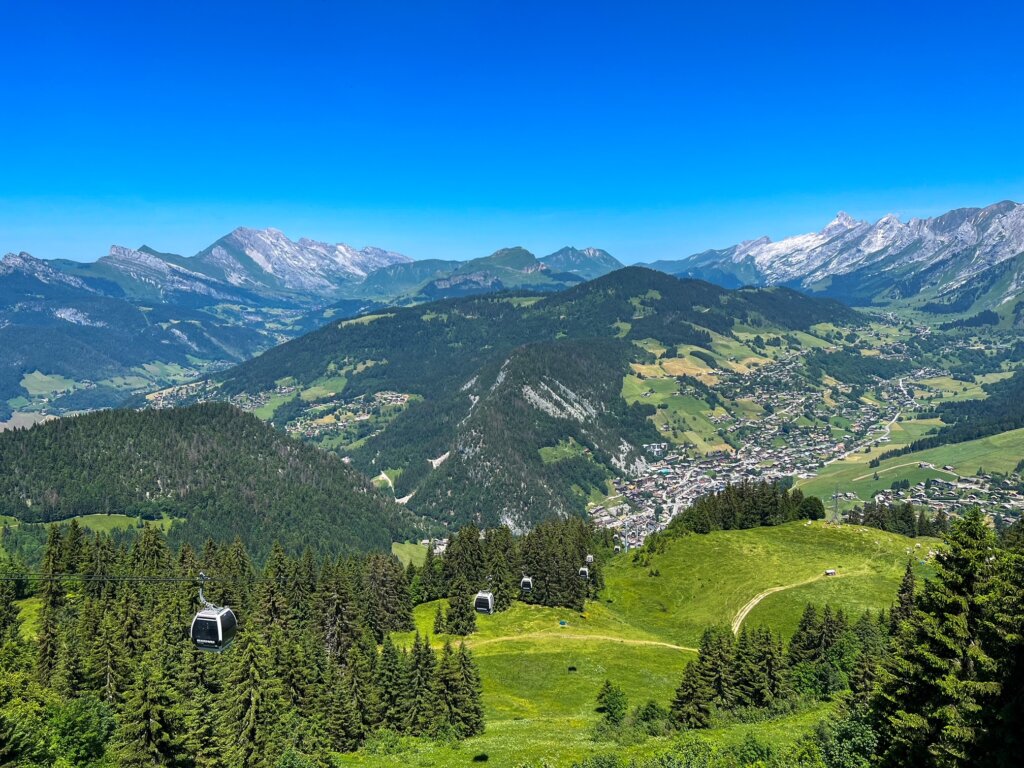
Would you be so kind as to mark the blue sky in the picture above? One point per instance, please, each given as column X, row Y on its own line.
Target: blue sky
column 452, row 129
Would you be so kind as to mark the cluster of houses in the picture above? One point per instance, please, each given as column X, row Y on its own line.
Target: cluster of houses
column 997, row 494
column 338, row 416
column 799, row 431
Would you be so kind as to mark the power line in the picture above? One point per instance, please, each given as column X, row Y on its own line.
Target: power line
column 127, row 579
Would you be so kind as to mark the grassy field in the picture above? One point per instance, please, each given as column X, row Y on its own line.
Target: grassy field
column 567, row 449
column 994, row 453
column 409, row 552
column 266, row 412
column 323, row 388
column 39, row 383
column 642, row 633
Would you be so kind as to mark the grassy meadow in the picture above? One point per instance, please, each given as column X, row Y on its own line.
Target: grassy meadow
column 541, row 675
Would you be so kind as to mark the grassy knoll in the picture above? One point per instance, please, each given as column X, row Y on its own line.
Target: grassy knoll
column 409, row 552
column 708, row 579
column 641, row 635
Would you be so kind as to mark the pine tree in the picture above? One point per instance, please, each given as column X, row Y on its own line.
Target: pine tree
column 461, row 619
column 250, row 706
column 470, row 716
column 934, row 688
column 146, row 732
column 440, row 625
column 388, row 679
column 903, row 609
column 691, row 707
column 805, row 643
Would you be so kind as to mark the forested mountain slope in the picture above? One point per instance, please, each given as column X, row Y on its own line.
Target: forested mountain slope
column 487, row 405
column 218, row 472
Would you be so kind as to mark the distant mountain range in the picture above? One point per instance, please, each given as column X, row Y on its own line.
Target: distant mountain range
column 86, row 335
column 966, row 260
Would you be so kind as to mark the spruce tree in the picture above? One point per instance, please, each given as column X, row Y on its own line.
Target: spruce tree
column 461, row 618
column 146, row 733
column 715, row 664
column 440, row 625
column 53, row 598
column 748, row 673
column 470, row 716
column 388, row 680
column 423, row 715
column 935, row 687
column 805, row 643
column 250, row 706
column 903, row 608
column 691, row 707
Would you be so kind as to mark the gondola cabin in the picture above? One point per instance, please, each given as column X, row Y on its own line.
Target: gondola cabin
column 526, row 585
column 213, row 629
column 617, row 549
column 590, row 559
column 584, row 573
column 484, row 602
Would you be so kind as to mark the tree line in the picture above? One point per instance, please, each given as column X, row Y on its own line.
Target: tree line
column 551, row 556
column 105, row 675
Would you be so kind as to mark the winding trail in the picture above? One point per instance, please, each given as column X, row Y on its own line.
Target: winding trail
column 570, row 636
column 752, row 603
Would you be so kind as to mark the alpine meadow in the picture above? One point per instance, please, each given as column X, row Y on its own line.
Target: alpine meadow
column 435, row 386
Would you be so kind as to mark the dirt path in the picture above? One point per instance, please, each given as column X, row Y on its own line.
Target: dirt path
column 569, row 636
column 907, row 464
column 386, row 479
column 752, row 603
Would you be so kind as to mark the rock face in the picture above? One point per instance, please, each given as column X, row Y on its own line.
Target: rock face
column 888, row 260
column 588, row 263
column 266, row 258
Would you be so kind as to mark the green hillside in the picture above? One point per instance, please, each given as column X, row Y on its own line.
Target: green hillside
column 644, row 630
column 566, row 354
column 223, row 472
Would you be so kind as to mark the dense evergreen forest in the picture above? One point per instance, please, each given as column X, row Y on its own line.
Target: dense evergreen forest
column 551, row 556
column 106, row 676
column 935, row 683
column 854, row 368
column 745, row 505
column 218, row 472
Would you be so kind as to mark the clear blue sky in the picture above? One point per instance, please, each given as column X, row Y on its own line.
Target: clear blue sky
column 446, row 129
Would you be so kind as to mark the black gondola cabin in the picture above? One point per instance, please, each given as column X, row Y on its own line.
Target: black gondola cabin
column 526, row 585
column 484, row 602
column 213, row 629
column 584, row 573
